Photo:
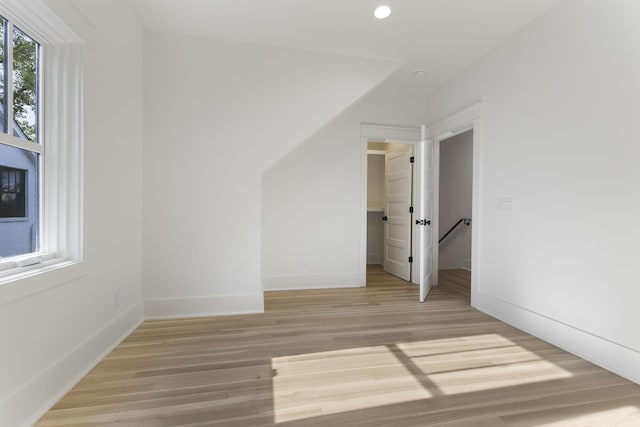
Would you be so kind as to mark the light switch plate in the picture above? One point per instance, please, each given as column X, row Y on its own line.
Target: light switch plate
column 506, row 203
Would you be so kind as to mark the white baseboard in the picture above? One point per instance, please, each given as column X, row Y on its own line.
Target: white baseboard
column 223, row 305
column 310, row 281
column 35, row 397
column 619, row 359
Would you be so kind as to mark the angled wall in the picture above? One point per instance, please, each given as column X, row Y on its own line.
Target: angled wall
column 217, row 114
column 311, row 197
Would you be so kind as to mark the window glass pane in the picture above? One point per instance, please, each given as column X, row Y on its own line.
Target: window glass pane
column 18, row 201
column 3, row 64
column 25, row 86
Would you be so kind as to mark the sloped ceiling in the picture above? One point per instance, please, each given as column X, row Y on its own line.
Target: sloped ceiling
column 440, row 36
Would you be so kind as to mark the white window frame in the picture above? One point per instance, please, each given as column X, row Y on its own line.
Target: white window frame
column 37, row 146
column 60, row 148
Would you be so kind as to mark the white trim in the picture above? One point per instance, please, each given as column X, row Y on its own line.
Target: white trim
column 63, row 186
column 435, row 214
column 10, row 118
column 379, row 133
column 469, row 118
column 61, row 174
column 61, row 133
column 220, row 305
column 35, row 17
column 424, row 155
column 24, row 261
column 383, row 133
column 611, row 356
column 364, row 170
column 310, row 281
column 35, row 397
column 456, row 123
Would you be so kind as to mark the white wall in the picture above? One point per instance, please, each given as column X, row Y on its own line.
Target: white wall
column 50, row 339
column 217, row 114
column 311, row 198
column 456, row 185
column 375, row 238
column 375, row 201
column 561, row 113
column 375, row 181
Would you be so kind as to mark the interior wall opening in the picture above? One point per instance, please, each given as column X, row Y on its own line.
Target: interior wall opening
column 390, row 201
column 454, row 210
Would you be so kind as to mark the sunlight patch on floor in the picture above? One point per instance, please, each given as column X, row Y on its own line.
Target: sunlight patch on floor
column 316, row 384
column 480, row 362
column 332, row 382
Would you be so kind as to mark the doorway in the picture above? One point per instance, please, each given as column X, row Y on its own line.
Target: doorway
column 390, row 199
column 455, row 189
column 469, row 121
column 393, row 136
column 425, row 235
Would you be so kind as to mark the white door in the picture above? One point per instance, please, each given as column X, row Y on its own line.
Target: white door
column 425, row 211
column 397, row 228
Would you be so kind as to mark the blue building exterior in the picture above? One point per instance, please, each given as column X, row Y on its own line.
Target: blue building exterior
column 18, row 199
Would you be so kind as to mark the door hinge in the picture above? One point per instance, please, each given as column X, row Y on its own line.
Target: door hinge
column 412, row 159
column 410, row 259
column 410, row 209
column 384, row 218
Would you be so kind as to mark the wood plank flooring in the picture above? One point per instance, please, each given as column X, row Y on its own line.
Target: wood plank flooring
column 456, row 282
column 345, row 357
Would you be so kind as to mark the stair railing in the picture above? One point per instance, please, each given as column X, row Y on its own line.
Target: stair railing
column 465, row 221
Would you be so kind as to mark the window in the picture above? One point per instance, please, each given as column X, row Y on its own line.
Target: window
column 12, row 200
column 40, row 144
column 21, row 148
column 25, row 85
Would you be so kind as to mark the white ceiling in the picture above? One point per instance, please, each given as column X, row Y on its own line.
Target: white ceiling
column 441, row 36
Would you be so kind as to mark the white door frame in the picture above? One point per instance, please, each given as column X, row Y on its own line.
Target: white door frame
column 389, row 134
column 468, row 119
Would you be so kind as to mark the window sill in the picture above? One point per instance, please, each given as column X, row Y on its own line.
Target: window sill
column 19, row 263
column 21, row 282
column 15, row 219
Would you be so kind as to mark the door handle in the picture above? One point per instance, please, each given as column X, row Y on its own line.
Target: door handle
column 384, row 218
column 423, row 222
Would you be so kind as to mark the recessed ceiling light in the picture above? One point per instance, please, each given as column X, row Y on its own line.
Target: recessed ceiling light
column 382, row 12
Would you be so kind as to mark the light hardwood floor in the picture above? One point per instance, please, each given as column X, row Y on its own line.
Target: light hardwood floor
column 350, row 357
column 456, row 282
